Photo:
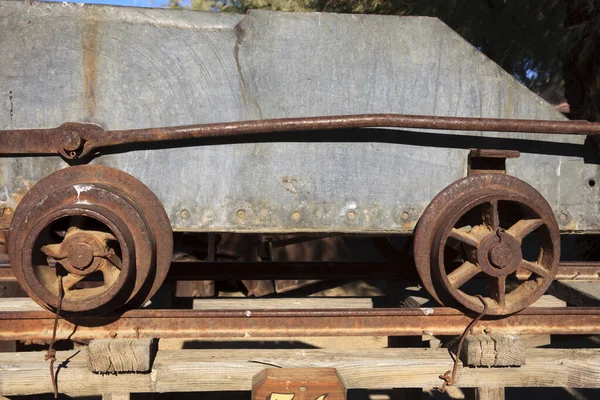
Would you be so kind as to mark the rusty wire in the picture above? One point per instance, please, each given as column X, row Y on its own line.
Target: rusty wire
column 448, row 378
column 51, row 353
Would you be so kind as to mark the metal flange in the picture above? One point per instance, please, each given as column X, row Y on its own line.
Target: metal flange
column 100, row 229
column 493, row 225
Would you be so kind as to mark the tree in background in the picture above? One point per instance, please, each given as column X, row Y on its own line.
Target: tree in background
column 529, row 39
column 582, row 65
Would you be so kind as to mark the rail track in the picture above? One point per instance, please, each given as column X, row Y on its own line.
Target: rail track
column 38, row 325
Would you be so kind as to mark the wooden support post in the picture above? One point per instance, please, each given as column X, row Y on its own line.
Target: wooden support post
column 493, row 351
column 120, row 355
column 8, row 288
column 115, row 396
column 489, row 393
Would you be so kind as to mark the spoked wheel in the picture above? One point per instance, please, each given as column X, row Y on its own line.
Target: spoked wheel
column 489, row 226
column 98, row 232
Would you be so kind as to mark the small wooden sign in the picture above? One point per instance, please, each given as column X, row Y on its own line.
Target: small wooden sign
column 298, row 384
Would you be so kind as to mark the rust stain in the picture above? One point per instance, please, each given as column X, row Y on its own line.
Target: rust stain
column 292, row 184
column 89, row 44
column 9, row 203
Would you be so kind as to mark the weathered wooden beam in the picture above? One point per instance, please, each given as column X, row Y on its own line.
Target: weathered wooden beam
column 495, row 393
column 110, row 356
column 304, row 303
column 223, row 370
column 493, row 351
column 576, row 293
column 116, row 396
column 298, row 384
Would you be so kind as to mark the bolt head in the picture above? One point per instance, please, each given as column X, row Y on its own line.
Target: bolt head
column 71, row 141
column 501, row 255
column 81, row 255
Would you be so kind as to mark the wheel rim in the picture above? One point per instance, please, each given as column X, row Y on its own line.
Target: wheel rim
column 493, row 247
column 128, row 245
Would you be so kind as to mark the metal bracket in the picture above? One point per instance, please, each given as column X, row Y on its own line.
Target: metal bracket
column 486, row 161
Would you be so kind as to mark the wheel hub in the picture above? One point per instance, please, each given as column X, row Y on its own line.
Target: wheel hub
column 81, row 255
column 499, row 254
column 82, row 252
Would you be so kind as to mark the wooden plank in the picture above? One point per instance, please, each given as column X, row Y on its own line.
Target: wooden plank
column 222, row 370
column 241, row 303
column 291, row 342
column 195, row 289
column 120, row 355
column 577, row 293
column 496, row 393
column 18, row 304
column 26, row 304
column 115, row 396
column 548, row 300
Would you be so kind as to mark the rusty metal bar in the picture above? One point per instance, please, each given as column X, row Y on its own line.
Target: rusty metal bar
column 75, row 140
column 223, row 270
column 337, row 270
column 281, row 323
column 290, row 270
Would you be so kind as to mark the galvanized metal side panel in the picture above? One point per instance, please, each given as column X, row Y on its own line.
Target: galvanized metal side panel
column 128, row 68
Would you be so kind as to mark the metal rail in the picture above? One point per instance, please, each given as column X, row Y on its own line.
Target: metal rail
column 76, row 140
column 37, row 325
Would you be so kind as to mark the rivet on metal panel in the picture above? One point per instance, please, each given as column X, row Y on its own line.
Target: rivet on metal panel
column 563, row 217
column 185, row 214
column 208, row 216
column 296, row 216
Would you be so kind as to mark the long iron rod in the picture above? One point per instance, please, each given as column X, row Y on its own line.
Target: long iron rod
column 30, row 325
column 75, row 140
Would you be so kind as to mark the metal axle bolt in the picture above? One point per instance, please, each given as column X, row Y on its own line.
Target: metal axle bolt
column 81, row 255
column 500, row 255
column 71, row 141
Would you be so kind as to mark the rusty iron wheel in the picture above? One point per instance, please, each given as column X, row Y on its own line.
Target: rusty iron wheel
column 490, row 225
column 101, row 230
